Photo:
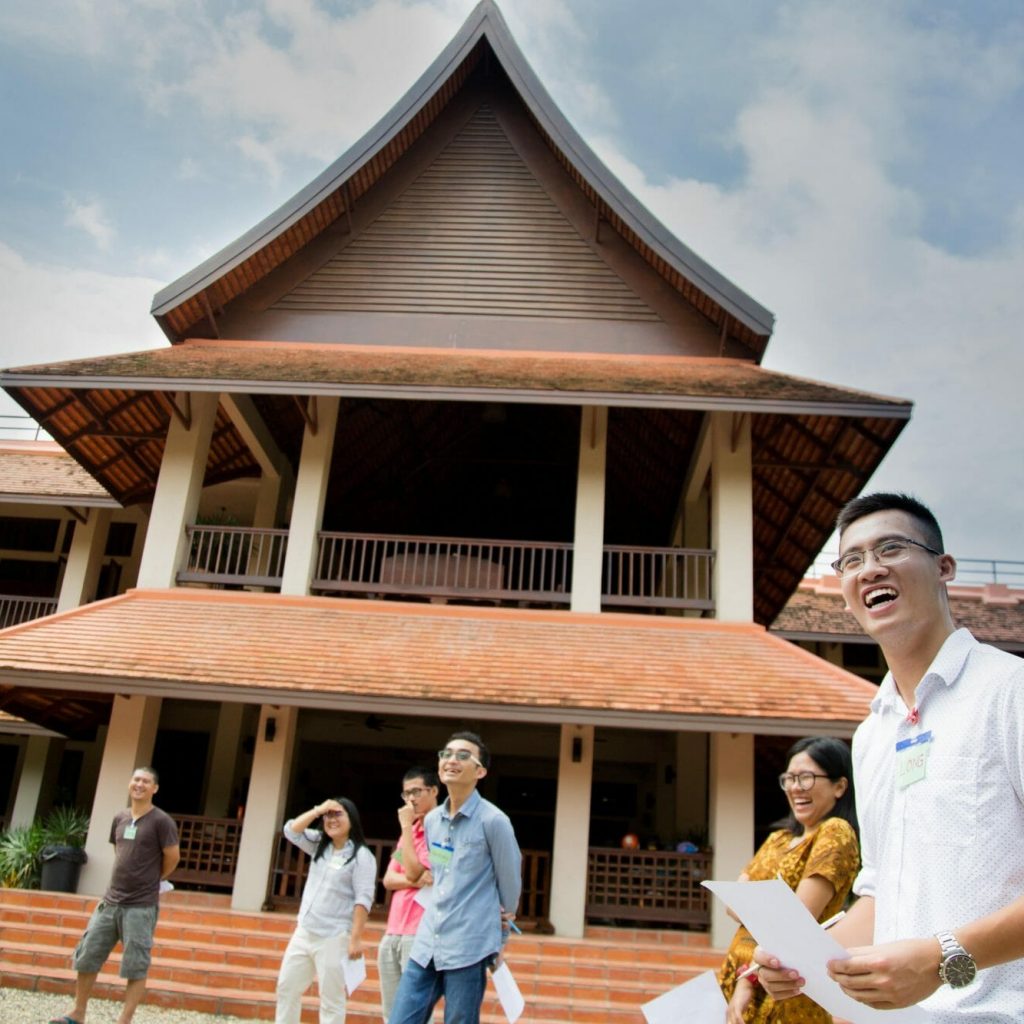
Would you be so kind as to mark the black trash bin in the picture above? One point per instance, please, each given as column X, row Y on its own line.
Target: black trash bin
column 61, row 867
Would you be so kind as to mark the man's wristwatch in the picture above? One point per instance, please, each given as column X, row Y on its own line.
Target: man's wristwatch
column 957, row 967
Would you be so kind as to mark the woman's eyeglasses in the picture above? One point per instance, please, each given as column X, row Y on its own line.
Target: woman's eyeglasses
column 333, row 814
column 801, row 780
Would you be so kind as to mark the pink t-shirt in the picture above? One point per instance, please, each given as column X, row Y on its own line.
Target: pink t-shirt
column 405, row 913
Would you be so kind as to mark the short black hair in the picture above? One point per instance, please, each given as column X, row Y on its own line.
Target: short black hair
column 428, row 775
column 833, row 757
column 884, row 501
column 471, row 737
column 151, row 772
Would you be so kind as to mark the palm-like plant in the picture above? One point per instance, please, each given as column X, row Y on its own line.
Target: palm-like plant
column 19, row 856
column 65, row 826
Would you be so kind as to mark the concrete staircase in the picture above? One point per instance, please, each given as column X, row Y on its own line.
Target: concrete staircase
column 210, row 958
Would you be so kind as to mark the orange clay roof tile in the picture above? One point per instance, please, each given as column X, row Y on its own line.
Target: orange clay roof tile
column 525, row 664
column 34, row 470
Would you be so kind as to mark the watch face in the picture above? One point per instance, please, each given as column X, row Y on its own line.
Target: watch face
column 959, row 970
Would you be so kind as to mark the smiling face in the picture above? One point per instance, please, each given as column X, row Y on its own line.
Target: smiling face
column 894, row 603
column 810, row 807
column 142, row 787
column 461, row 774
column 337, row 825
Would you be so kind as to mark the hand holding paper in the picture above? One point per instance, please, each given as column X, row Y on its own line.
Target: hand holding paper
column 774, row 915
column 355, row 972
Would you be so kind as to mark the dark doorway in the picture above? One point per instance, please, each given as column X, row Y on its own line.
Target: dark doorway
column 180, row 759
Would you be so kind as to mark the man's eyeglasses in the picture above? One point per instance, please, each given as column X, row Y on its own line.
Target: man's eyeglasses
column 802, row 780
column 887, row 552
column 459, row 755
column 411, row 794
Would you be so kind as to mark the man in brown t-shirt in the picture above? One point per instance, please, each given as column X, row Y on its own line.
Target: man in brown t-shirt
column 146, row 851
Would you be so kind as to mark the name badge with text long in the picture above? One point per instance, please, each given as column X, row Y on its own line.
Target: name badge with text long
column 912, row 759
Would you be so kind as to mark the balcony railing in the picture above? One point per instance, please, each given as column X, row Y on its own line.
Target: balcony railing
column 648, row 885
column 235, row 555
column 446, row 568
column 15, row 609
column 657, row 577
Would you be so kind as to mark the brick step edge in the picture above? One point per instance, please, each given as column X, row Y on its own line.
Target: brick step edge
column 175, row 993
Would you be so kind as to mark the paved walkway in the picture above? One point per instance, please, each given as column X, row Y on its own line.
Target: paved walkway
column 20, row 1007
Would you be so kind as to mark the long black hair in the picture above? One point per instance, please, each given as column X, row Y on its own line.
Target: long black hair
column 833, row 757
column 355, row 830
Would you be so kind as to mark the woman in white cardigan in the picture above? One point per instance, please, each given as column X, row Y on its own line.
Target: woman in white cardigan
column 335, row 904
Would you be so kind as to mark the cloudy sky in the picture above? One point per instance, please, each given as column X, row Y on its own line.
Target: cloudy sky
column 856, row 167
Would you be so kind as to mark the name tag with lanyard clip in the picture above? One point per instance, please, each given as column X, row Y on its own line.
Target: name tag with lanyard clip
column 441, row 855
column 912, row 759
column 129, row 831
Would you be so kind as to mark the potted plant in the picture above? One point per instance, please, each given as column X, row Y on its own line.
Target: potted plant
column 64, row 831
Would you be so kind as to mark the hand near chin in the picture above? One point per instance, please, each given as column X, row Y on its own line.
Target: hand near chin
column 889, row 976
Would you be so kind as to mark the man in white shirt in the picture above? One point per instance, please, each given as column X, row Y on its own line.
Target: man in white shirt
column 939, row 771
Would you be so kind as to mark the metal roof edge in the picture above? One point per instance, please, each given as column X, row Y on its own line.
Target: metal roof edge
column 484, row 20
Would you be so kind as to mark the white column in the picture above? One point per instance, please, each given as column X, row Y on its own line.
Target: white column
column 588, row 533
column 731, row 818
column 572, row 830
column 84, row 559
column 310, row 494
column 221, row 772
column 264, row 805
column 30, row 781
column 732, row 517
column 178, row 489
column 130, row 739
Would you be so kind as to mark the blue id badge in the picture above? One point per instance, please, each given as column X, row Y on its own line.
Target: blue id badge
column 912, row 759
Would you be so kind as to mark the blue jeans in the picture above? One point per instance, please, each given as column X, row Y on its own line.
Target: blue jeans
column 421, row 988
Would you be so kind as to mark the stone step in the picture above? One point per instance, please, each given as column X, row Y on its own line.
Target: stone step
column 209, row 958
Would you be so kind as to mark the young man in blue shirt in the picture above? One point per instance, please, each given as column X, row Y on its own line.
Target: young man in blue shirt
column 476, row 864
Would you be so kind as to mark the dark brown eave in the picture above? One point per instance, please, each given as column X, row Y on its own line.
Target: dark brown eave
column 191, row 305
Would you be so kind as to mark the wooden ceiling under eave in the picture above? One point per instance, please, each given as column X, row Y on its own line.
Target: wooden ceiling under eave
column 118, row 436
column 74, row 715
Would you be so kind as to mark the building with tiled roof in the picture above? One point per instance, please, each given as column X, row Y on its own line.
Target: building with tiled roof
column 816, row 618
column 459, row 437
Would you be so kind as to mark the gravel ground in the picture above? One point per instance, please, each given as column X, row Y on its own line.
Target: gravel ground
column 20, row 1007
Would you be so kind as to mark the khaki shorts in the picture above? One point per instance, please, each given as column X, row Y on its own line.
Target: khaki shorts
column 133, row 927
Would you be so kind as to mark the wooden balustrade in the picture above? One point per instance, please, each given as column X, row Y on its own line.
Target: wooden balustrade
column 443, row 567
column 209, row 850
column 15, row 609
column 657, row 577
column 291, row 866
column 235, row 555
column 648, row 885
column 451, row 567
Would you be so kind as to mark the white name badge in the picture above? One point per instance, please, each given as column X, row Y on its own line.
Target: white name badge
column 912, row 759
column 129, row 832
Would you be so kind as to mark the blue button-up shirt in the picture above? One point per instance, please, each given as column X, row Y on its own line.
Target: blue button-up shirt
column 477, row 871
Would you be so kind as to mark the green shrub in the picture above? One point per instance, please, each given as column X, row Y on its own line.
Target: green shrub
column 20, row 848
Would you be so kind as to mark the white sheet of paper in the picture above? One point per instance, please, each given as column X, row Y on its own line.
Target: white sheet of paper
column 424, row 896
column 509, row 996
column 355, row 973
column 699, row 999
column 777, row 919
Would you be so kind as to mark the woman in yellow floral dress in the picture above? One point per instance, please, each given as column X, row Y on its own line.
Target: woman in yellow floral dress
column 817, row 853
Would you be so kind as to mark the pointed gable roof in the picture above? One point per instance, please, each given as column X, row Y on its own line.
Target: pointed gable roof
column 187, row 306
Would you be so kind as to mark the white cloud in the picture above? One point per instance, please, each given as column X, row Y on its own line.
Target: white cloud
column 91, row 218
column 819, row 230
column 51, row 313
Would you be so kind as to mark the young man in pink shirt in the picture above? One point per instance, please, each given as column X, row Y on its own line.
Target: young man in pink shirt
column 407, row 875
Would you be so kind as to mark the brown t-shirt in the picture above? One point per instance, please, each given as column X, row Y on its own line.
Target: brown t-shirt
column 135, row 881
